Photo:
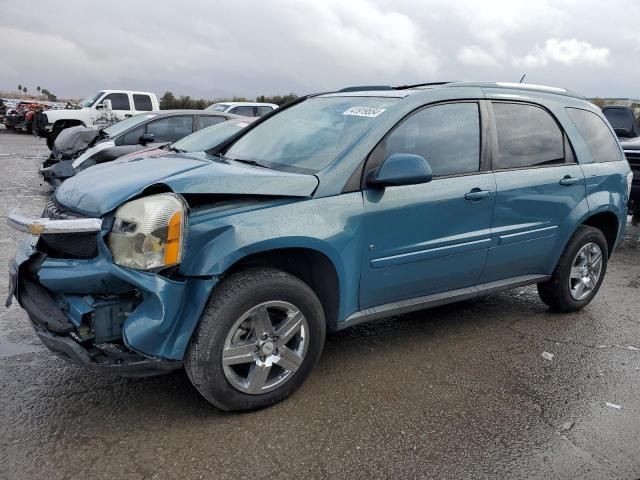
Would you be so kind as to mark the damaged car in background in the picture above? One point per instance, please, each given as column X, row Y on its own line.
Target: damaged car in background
column 79, row 148
column 336, row 209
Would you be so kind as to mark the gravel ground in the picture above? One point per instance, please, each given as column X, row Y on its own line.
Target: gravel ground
column 461, row 391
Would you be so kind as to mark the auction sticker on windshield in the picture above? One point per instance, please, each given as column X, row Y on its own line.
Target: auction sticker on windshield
column 364, row 111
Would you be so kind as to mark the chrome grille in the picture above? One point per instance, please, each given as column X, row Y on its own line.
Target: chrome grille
column 67, row 245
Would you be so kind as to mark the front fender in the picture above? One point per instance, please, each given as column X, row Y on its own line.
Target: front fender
column 329, row 225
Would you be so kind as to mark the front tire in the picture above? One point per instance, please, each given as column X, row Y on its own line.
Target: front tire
column 579, row 272
column 258, row 340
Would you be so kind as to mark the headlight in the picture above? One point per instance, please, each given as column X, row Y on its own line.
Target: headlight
column 149, row 233
column 629, row 182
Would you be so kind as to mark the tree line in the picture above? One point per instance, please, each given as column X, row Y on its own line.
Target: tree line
column 50, row 96
column 169, row 101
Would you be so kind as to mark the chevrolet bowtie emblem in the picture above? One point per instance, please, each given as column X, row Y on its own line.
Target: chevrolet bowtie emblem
column 36, row 228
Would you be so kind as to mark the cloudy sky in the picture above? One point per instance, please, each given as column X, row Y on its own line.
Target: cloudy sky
column 251, row 47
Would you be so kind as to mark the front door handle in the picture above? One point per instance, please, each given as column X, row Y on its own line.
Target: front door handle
column 477, row 194
column 568, row 180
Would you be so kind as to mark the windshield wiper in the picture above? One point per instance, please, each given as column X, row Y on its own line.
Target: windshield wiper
column 174, row 149
column 249, row 162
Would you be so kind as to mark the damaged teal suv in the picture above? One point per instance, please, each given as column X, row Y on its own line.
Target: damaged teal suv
column 336, row 209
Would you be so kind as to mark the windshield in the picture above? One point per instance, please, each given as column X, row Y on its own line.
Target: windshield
column 124, row 125
column 218, row 107
column 309, row 136
column 208, row 137
column 87, row 102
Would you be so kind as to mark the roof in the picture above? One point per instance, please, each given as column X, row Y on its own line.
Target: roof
column 190, row 112
column 127, row 91
column 391, row 91
column 258, row 104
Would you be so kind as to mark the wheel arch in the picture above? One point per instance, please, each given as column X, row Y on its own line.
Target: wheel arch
column 66, row 123
column 312, row 266
column 607, row 222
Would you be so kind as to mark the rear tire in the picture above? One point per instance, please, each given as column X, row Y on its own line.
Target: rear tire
column 579, row 272
column 244, row 354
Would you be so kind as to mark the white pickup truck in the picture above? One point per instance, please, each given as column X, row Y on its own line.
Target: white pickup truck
column 102, row 109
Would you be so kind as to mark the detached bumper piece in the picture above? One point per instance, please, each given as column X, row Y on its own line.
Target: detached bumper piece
column 79, row 345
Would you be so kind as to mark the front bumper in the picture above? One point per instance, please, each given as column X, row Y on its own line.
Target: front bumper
column 59, row 334
column 146, row 318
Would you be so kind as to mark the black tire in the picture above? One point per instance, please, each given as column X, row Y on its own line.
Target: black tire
column 555, row 292
column 236, row 295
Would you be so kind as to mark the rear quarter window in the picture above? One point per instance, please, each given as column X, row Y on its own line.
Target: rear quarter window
column 602, row 144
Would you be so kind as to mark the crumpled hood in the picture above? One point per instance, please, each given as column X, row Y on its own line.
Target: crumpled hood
column 102, row 188
column 71, row 140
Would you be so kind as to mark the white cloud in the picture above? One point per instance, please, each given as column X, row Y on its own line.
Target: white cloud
column 256, row 47
column 476, row 56
column 566, row 52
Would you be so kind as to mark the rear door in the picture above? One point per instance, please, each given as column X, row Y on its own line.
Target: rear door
column 429, row 238
column 142, row 103
column 539, row 186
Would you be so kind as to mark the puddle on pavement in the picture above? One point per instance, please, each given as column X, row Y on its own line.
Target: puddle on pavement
column 9, row 349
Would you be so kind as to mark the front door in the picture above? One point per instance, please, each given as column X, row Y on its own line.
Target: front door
column 433, row 237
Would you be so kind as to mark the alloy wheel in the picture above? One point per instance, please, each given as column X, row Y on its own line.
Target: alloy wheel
column 265, row 347
column 585, row 272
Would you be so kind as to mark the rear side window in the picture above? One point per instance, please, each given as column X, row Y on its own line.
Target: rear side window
column 243, row 110
column 171, row 129
column 527, row 137
column 602, row 145
column 119, row 101
column 263, row 110
column 208, row 120
column 142, row 102
column 447, row 135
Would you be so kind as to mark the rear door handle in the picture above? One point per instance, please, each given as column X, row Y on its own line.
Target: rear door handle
column 568, row 180
column 477, row 194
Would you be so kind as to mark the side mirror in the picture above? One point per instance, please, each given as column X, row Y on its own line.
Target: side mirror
column 105, row 105
column 401, row 169
column 622, row 132
column 147, row 138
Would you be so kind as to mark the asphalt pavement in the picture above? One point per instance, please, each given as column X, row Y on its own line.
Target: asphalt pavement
column 497, row 387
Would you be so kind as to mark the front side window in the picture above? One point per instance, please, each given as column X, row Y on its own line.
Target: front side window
column 132, row 137
column 602, row 145
column 119, row 101
column 447, row 136
column 244, row 110
column 527, row 137
column 310, row 135
column 171, row 129
column 124, row 125
column 142, row 102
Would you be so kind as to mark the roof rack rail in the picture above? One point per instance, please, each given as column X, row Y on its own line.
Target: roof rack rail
column 427, row 84
column 364, row 88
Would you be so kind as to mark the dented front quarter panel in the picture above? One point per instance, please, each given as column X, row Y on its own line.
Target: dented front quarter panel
column 329, row 225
